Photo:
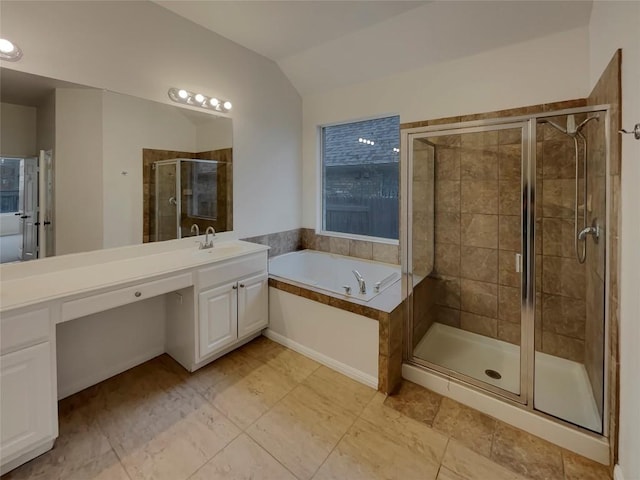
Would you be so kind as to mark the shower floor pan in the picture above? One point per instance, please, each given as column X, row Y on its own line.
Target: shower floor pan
column 562, row 387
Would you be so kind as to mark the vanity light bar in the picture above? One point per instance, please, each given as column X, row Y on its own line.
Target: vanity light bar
column 366, row 141
column 180, row 95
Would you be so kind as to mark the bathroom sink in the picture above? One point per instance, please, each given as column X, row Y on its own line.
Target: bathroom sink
column 219, row 249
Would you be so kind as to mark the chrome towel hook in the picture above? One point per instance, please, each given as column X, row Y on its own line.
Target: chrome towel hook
column 635, row 132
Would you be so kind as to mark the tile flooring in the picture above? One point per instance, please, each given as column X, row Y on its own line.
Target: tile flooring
column 266, row 412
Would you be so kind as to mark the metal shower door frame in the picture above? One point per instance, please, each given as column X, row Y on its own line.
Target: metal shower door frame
column 178, row 194
column 528, row 272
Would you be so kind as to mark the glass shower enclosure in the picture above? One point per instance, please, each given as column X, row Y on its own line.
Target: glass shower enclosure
column 184, row 192
column 506, row 235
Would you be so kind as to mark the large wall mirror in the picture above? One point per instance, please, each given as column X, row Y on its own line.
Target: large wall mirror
column 83, row 169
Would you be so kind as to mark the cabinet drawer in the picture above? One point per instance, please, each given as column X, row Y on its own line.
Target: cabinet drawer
column 232, row 270
column 22, row 330
column 116, row 298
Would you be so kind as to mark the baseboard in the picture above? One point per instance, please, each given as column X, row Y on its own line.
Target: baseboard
column 67, row 390
column 617, row 473
column 347, row 370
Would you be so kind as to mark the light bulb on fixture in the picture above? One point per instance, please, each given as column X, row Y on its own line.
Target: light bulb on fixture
column 183, row 94
column 199, row 98
column 214, row 102
column 227, row 105
column 9, row 51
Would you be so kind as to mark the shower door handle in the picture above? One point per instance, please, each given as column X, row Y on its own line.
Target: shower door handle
column 518, row 263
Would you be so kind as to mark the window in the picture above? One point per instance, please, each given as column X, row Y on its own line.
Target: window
column 360, row 178
column 9, row 184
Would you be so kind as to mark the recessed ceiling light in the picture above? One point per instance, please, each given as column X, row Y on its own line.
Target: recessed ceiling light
column 9, row 50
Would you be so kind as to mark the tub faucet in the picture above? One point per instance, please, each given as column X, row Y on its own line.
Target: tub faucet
column 361, row 284
column 195, row 228
column 208, row 243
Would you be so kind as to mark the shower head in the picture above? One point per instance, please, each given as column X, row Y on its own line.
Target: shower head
column 571, row 129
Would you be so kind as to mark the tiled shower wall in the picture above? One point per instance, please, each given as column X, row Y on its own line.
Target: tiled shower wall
column 608, row 91
column 224, row 222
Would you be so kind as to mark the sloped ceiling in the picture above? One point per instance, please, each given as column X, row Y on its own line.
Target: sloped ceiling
column 321, row 45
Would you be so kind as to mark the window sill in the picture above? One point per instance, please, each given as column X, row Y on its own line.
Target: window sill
column 362, row 238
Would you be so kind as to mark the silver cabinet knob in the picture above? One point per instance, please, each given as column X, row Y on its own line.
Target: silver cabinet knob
column 138, row 294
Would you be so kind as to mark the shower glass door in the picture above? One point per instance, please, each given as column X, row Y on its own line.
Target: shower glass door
column 465, row 227
column 167, row 215
column 570, row 247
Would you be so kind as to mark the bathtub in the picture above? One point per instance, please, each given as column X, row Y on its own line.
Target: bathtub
column 334, row 273
column 321, row 326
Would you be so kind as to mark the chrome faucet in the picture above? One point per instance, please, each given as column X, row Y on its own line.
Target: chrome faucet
column 361, row 284
column 196, row 228
column 208, row 243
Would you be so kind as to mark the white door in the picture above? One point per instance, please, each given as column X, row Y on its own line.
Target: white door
column 218, row 318
column 45, row 204
column 253, row 305
column 27, row 409
column 28, row 250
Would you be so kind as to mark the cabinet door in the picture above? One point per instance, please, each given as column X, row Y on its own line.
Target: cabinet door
column 27, row 407
column 218, row 312
column 253, row 304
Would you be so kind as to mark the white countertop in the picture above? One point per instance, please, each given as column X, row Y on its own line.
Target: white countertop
column 51, row 278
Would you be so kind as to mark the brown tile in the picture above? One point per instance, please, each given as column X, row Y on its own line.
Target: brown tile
column 479, row 324
column 558, row 237
column 470, row 427
column 301, row 430
column 558, row 198
column 479, row 297
column 565, row 104
column 447, row 227
column 360, row 249
column 386, row 253
column 469, row 465
column 528, row 455
column 448, row 196
column 447, row 163
column 558, row 159
column 415, row 402
column 381, row 446
column 563, row 347
column 479, row 196
column 510, row 136
column 289, row 363
column 479, row 230
column 243, row 458
column 509, row 332
column 448, row 292
column 339, row 246
column 510, row 162
column 510, row 233
column 580, row 468
column 322, row 243
column 479, row 264
column 447, row 259
column 509, row 304
column 563, row 276
column 447, row 316
column 563, row 315
column 479, row 163
column 350, row 395
column 506, row 269
column 510, row 199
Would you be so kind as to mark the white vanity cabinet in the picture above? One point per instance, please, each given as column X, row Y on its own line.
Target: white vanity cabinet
column 215, row 300
column 28, row 406
column 231, row 307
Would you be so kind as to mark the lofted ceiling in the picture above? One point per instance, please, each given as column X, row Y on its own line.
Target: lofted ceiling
column 322, row 45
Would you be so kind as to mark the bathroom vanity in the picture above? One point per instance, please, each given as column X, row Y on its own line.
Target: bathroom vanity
column 215, row 300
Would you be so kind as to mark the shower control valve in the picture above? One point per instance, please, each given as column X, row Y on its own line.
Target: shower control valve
column 347, row 289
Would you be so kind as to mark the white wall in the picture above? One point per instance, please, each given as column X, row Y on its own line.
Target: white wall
column 129, row 125
column 46, row 123
column 141, row 49
column 617, row 25
column 78, row 170
column 544, row 70
column 17, row 130
column 214, row 135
